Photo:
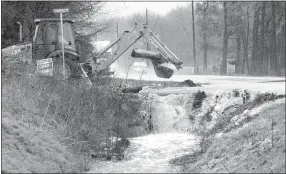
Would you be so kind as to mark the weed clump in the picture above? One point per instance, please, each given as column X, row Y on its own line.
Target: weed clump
column 264, row 97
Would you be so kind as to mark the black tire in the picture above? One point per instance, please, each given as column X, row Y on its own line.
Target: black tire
column 72, row 68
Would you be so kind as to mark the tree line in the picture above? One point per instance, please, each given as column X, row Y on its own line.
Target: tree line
column 248, row 35
column 258, row 29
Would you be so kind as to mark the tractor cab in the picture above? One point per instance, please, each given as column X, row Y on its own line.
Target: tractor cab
column 47, row 40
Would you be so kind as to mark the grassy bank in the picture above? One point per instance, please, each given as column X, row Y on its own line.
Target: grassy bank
column 246, row 139
column 54, row 126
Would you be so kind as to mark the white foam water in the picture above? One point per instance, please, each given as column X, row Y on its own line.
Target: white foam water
column 169, row 114
column 152, row 153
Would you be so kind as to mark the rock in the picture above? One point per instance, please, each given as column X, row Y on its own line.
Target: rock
column 235, row 93
column 199, row 97
column 245, row 95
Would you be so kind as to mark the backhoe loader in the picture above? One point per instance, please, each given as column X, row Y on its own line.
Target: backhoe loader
column 47, row 51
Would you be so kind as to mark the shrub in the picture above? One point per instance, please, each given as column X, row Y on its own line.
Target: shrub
column 261, row 98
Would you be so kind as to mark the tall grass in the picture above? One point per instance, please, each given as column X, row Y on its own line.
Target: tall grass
column 81, row 115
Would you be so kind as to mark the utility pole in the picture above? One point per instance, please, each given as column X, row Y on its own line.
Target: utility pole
column 147, row 45
column 194, row 39
column 223, row 68
column 117, row 35
column 20, row 32
column 147, row 25
column 117, row 29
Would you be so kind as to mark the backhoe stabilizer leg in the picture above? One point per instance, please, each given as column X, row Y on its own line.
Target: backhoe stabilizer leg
column 85, row 76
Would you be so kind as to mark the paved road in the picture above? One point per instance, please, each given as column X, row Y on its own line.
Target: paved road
column 255, row 84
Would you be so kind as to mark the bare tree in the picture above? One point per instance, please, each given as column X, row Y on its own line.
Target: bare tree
column 194, row 37
column 281, row 39
column 245, row 44
column 238, row 63
column 263, row 64
column 254, row 61
column 225, row 37
column 205, row 44
column 273, row 58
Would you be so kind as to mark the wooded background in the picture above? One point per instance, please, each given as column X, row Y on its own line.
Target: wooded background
column 250, row 35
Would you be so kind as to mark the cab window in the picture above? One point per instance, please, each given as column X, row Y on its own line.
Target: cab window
column 46, row 33
column 68, row 34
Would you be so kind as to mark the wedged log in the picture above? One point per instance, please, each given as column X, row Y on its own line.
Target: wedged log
column 98, row 155
column 163, row 71
column 155, row 56
column 189, row 83
column 135, row 89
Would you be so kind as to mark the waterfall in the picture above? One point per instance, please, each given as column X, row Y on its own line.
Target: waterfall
column 169, row 113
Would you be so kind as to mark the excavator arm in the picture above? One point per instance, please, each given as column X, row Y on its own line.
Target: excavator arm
column 164, row 61
column 123, row 42
column 166, row 55
column 160, row 59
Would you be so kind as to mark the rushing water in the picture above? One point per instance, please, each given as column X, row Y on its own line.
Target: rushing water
column 171, row 118
column 152, row 153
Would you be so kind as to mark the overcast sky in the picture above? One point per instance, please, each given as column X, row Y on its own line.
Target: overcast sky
column 129, row 8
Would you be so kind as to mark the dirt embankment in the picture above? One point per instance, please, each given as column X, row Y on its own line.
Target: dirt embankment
column 250, row 140
column 55, row 126
column 25, row 148
column 29, row 144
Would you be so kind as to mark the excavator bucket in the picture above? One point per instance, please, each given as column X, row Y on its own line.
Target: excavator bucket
column 163, row 70
column 164, row 67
